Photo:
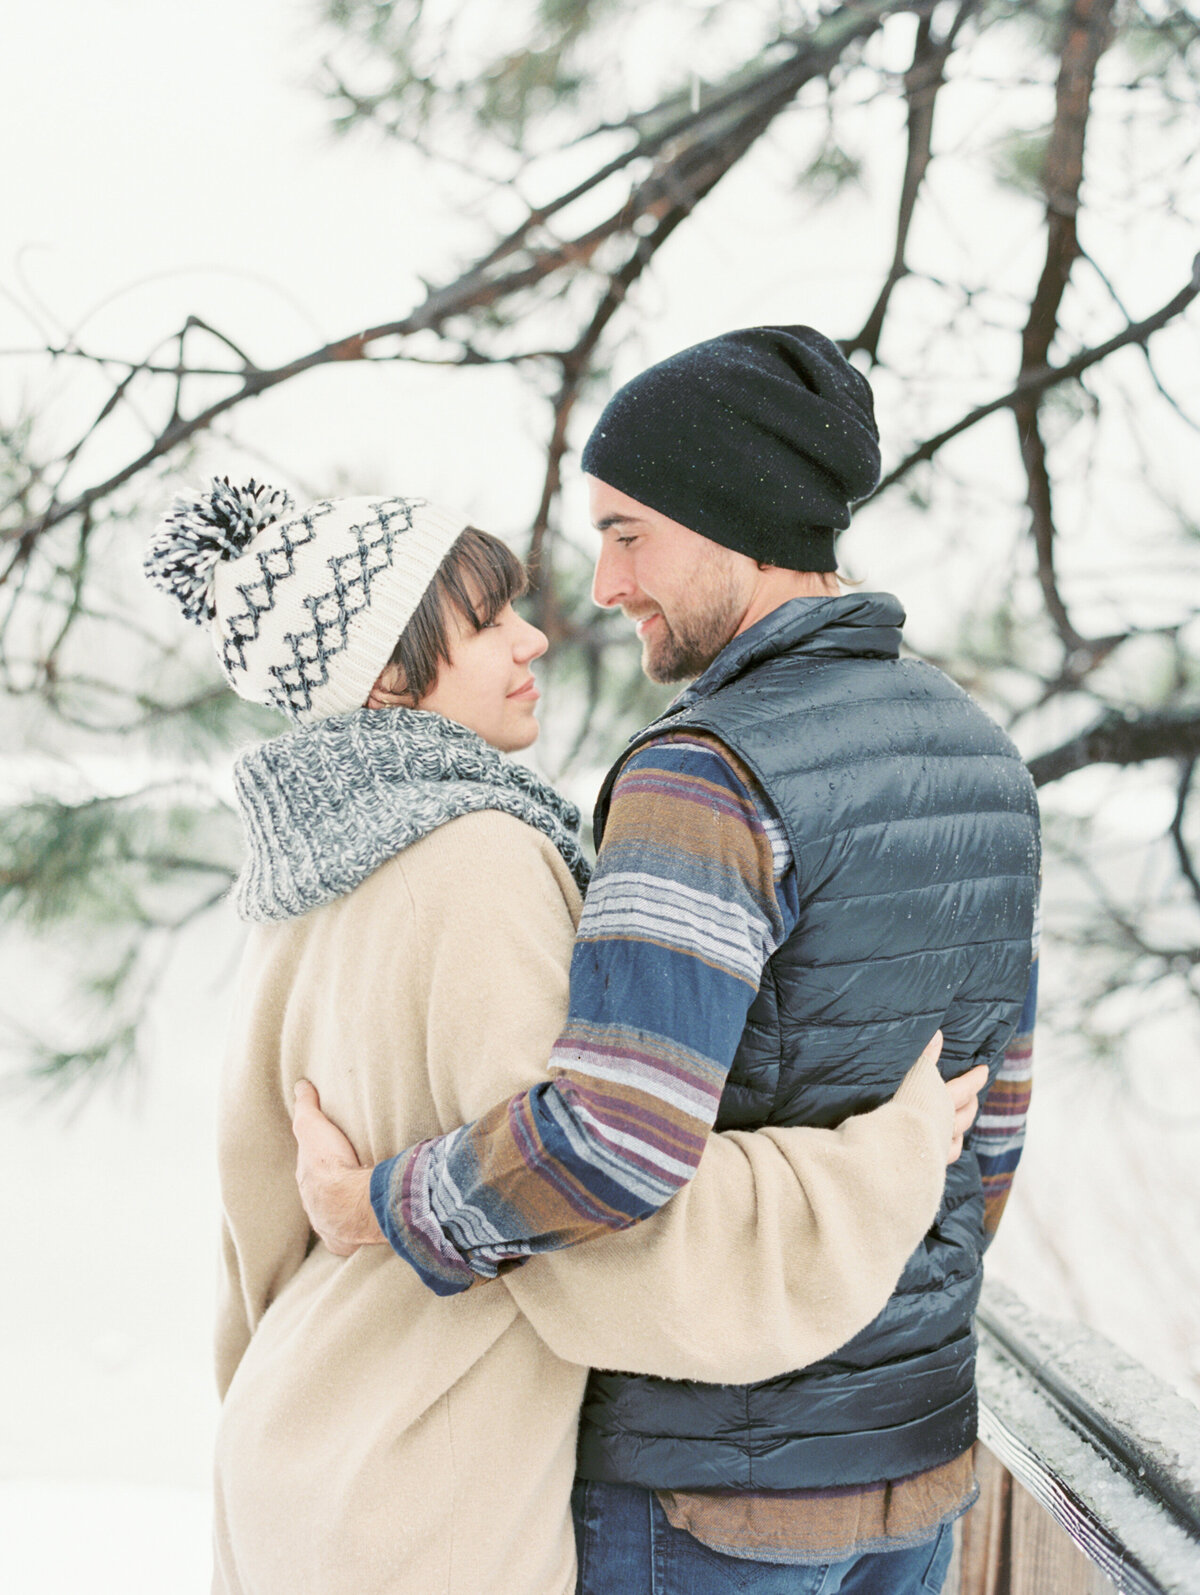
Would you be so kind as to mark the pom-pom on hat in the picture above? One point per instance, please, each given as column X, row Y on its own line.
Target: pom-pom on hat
column 759, row 439
column 305, row 606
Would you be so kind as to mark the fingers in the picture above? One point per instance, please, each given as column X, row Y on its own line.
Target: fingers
column 964, row 1117
column 934, row 1050
column 964, row 1089
column 964, row 1092
column 320, row 1143
column 305, row 1101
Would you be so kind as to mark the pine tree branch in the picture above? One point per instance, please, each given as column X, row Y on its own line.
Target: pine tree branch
column 679, row 188
column 576, row 364
column 1110, row 288
column 1182, row 852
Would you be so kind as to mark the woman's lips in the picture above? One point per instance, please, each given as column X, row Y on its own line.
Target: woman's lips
column 529, row 690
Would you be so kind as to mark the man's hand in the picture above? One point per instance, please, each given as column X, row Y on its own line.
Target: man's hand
column 964, row 1092
column 334, row 1186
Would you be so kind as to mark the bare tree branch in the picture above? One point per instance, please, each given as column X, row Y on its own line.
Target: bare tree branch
column 1037, row 382
column 1088, row 31
column 921, row 84
column 1123, row 739
column 1182, row 852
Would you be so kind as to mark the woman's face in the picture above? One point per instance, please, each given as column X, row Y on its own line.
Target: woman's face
column 488, row 685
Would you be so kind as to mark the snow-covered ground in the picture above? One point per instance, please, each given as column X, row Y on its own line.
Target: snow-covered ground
column 103, row 1539
column 108, row 1252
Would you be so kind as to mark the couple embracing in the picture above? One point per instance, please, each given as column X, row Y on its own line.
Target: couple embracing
column 635, row 1235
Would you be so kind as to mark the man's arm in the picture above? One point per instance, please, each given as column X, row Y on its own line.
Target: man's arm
column 681, row 916
column 786, row 1243
column 998, row 1138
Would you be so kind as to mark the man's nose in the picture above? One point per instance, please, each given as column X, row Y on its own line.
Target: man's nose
column 610, row 584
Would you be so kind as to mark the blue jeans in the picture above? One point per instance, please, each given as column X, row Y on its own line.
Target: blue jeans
column 626, row 1546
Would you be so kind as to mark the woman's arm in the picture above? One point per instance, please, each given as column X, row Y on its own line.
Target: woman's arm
column 783, row 1246
column 233, row 1326
column 787, row 1241
column 265, row 1232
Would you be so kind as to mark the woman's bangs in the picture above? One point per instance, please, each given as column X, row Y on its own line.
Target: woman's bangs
column 487, row 576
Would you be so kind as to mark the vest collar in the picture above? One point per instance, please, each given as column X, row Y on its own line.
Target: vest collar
column 855, row 625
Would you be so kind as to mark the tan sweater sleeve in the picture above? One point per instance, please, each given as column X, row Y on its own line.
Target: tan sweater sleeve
column 264, row 1231
column 784, row 1244
column 233, row 1325
column 264, row 1228
column 495, row 911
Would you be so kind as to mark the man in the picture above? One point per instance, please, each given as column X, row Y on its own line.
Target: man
column 817, row 856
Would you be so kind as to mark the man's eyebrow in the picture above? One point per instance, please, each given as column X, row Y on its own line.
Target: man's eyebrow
column 606, row 521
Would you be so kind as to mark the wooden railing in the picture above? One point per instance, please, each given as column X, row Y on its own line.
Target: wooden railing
column 1089, row 1467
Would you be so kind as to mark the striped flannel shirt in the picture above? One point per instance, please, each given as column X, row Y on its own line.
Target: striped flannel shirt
column 690, row 897
column 998, row 1135
column 693, row 891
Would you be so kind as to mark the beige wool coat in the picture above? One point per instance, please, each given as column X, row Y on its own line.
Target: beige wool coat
column 376, row 1439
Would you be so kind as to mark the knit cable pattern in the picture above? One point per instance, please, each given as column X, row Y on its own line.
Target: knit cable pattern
column 323, row 807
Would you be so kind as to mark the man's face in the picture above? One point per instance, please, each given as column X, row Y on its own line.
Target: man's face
column 688, row 595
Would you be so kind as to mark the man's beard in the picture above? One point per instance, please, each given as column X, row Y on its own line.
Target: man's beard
column 682, row 649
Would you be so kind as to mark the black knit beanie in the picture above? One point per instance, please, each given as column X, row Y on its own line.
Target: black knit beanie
column 759, row 440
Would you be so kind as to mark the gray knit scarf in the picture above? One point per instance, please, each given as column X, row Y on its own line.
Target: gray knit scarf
column 323, row 807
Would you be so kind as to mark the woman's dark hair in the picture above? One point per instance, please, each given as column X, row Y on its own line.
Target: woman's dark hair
column 478, row 577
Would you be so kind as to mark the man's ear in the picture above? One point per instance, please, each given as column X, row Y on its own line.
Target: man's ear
column 389, row 690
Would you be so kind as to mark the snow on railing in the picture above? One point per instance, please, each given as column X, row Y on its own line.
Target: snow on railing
column 1103, row 1445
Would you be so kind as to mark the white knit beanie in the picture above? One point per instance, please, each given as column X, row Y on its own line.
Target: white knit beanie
column 305, row 606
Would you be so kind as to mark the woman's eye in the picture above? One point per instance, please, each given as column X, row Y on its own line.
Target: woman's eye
column 625, row 541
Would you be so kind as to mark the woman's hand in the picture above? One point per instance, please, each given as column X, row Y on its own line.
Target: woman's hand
column 335, row 1189
column 964, row 1092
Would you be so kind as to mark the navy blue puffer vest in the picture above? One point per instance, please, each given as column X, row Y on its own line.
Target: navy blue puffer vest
column 913, row 826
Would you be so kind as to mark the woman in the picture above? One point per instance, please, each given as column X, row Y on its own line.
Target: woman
column 414, row 897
